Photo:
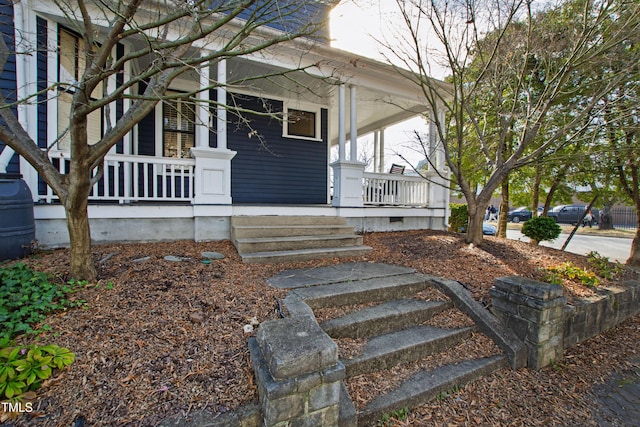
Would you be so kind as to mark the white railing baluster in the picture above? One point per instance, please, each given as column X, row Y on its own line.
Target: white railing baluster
column 395, row 190
column 143, row 178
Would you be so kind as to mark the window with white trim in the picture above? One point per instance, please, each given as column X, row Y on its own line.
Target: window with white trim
column 302, row 123
column 71, row 66
column 178, row 127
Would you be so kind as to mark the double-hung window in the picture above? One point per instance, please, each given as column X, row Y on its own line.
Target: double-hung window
column 178, row 126
column 71, row 66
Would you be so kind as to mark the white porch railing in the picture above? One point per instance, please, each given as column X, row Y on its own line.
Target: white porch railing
column 395, row 190
column 135, row 178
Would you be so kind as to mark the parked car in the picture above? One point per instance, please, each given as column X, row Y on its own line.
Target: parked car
column 489, row 230
column 570, row 214
column 519, row 215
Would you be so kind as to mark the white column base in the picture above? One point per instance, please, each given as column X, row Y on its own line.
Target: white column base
column 212, row 176
column 347, row 184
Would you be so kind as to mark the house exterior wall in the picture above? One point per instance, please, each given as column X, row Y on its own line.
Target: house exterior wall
column 8, row 76
column 276, row 169
column 148, row 223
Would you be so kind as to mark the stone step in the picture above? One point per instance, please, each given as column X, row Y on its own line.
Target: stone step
column 244, row 231
column 303, row 254
column 363, row 291
column 426, row 385
column 273, row 220
column 383, row 318
column 388, row 350
column 269, row 244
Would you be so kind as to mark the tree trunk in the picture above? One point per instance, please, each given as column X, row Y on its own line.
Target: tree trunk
column 76, row 207
column 606, row 221
column 81, row 259
column 535, row 197
column 503, row 215
column 474, row 230
column 634, row 258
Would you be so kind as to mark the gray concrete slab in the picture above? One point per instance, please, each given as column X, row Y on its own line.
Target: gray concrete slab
column 345, row 272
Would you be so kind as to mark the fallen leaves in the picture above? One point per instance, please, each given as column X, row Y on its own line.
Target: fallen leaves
column 142, row 355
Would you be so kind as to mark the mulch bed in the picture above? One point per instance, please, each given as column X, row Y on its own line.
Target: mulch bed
column 158, row 338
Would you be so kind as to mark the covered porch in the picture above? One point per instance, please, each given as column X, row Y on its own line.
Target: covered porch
column 143, row 193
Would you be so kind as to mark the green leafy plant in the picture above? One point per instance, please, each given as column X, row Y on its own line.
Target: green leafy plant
column 602, row 265
column 541, row 228
column 459, row 217
column 569, row 271
column 388, row 419
column 27, row 296
column 23, row 369
column 444, row 394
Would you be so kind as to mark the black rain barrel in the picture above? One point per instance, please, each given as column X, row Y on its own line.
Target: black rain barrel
column 17, row 226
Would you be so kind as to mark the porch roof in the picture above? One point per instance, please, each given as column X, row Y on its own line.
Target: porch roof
column 384, row 96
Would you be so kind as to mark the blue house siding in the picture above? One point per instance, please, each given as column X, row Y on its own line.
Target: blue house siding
column 278, row 170
column 8, row 84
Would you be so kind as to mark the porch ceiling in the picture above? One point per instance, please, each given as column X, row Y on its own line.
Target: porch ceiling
column 378, row 105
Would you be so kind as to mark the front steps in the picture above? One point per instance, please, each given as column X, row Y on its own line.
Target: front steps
column 402, row 323
column 267, row 239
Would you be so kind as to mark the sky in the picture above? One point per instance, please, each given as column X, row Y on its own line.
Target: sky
column 355, row 28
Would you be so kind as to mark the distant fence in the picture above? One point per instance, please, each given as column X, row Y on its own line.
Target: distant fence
column 624, row 218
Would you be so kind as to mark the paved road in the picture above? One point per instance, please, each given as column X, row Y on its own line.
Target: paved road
column 614, row 248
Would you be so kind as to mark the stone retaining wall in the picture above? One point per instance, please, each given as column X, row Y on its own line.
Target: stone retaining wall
column 539, row 315
column 297, row 372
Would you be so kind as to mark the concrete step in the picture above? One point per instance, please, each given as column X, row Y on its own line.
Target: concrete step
column 243, row 231
column 288, row 243
column 426, row 385
column 303, row 254
column 363, row 291
column 388, row 350
column 273, row 220
column 384, row 318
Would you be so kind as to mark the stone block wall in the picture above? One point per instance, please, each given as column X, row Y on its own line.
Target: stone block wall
column 538, row 314
column 534, row 311
column 589, row 317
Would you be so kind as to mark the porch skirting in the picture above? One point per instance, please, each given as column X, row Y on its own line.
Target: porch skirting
column 152, row 223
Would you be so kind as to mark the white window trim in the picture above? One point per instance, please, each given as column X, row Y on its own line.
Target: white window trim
column 311, row 108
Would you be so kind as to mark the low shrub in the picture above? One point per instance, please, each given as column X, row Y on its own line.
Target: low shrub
column 459, row 217
column 541, row 228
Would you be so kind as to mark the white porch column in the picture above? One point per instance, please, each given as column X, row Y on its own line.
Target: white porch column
column 212, row 181
column 381, row 161
column 376, row 148
column 202, row 131
column 347, row 174
column 341, row 127
column 26, row 78
column 353, row 126
column 221, row 110
column 436, row 150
